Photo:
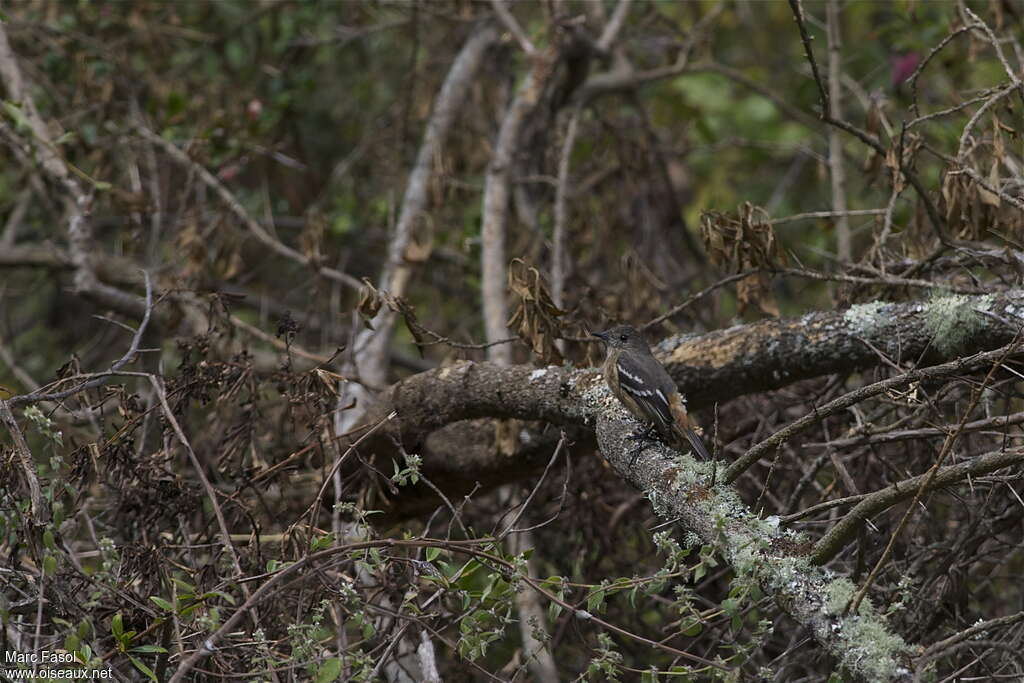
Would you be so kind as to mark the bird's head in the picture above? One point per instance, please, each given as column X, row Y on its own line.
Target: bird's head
column 623, row 337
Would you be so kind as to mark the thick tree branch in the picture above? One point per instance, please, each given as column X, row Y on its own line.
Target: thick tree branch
column 770, row 354
column 433, row 407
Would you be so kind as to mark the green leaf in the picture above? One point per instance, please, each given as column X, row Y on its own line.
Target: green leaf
column 161, row 603
column 149, row 649
column 432, row 554
column 189, row 609
column 50, row 565
column 14, row 111
column 329, row 670
column 84, row 630
column 322, row 542
column 217, row 594
column 184, row 586
column 143, row 668
column 117, row 626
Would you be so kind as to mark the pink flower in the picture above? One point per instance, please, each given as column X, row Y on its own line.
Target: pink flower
column 903, row 66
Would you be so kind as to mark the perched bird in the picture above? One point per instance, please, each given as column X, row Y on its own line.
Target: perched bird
column 640, row 382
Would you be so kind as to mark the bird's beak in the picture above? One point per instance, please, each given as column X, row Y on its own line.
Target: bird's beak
column 603, row 336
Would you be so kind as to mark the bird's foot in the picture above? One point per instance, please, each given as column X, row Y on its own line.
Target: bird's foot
column 643, row 438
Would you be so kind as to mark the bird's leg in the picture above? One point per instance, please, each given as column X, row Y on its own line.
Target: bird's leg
column 643, row 438
column 646, row 435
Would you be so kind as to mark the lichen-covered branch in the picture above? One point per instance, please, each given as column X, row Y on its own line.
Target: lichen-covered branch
column 724, row 364
column 756, row 549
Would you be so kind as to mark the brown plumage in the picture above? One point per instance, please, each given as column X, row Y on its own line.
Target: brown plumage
column 640, row 382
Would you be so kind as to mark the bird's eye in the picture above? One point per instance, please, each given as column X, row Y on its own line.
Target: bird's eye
column 623, row 337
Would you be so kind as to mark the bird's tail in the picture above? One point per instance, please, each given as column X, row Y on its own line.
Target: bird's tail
column 686, row 435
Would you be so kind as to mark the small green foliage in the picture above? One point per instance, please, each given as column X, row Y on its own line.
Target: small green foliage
column 605, row 666
column 44, row 425
column 410, row 474
column 305, row 637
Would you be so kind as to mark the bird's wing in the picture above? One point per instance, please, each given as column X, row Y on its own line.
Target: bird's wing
column 659, row 398
column 651, row 397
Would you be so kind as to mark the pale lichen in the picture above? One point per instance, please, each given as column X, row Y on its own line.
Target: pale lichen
column 871, row 647
column 952, row 320
column 838, row 594
column 866, row 318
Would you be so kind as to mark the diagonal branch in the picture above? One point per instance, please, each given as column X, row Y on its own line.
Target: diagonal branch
column 873, row 503
column 229, row 199
column 371, row 346
column 757, row 549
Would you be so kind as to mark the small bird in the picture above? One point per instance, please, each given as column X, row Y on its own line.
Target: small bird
column 640, row 382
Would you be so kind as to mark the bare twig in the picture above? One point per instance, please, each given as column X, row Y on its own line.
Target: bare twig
column 240, row 212
column 996, row 422
column 827, row 214
column 522, row 508
column 924, row 62
column 845, row 401
column 938, row 225
column 98, row 378
column 872, row 503
column 340, row 461
column 929, row 478
column 559, row 253
column 39, row 511
column 512, row 24
column 937, row 649
column 837, row 169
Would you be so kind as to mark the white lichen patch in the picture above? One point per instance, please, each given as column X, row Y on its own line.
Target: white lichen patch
column 952, row 320
column 1012, row 310
column 870, row 646
column 866, row 318
column 838, row 594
